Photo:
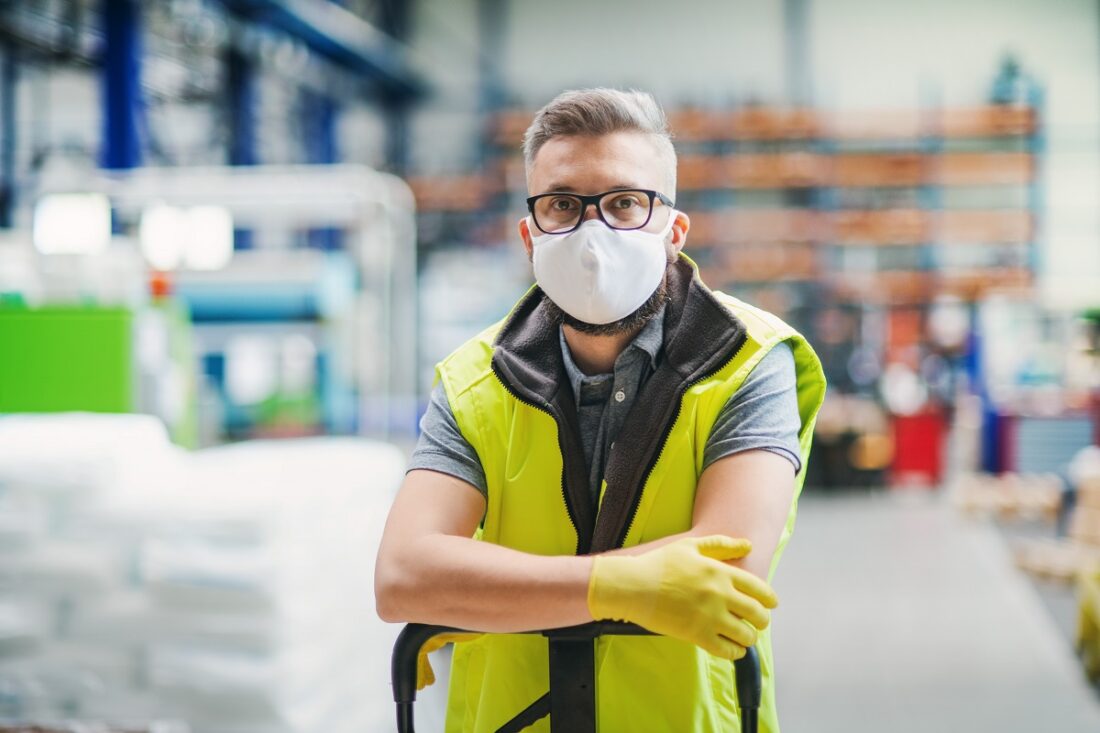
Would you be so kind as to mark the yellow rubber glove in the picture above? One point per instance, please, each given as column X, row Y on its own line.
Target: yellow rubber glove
column 683, row 590
column 425, row 675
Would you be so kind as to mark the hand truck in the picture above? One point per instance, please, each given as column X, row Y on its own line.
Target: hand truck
column 571, row 700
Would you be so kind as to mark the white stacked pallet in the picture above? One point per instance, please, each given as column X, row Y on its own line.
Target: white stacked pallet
column 231, row 588
column 266, row 568
column 59, row 476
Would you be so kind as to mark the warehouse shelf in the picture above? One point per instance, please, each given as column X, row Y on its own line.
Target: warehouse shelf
column 778, row 171
column 469, row 192
column 953, row 179
column 358, row 300
column 906, row 196
column 767, row 123
column 855, row 170
column 876, row 227
column 871, row 217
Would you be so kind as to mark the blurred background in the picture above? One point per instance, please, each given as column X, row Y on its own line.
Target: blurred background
column 236, row 235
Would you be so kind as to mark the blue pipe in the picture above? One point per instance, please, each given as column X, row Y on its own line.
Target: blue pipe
column 340, row 36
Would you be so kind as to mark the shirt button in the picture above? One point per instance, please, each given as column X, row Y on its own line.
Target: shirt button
column 620, row 396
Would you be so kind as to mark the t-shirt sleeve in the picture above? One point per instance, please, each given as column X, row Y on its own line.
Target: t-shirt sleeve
column 762, row 414
column 442, row 447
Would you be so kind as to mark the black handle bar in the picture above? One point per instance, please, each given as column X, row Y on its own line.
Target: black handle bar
column 571, row 699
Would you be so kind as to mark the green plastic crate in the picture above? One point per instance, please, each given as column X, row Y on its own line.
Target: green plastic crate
column 62, row 358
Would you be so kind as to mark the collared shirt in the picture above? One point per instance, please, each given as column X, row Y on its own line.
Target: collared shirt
column 762, row 414
column 603, row 400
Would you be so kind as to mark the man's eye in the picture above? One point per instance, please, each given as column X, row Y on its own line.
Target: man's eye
column 625, row 202
column 563, row 204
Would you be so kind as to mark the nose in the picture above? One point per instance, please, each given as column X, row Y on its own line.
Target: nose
column 591, row 211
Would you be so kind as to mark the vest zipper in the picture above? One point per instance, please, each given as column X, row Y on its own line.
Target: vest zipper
column 668, row 431
column 569, row 509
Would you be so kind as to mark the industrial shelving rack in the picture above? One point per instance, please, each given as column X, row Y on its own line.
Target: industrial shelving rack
column 851, row 226
column 796, row 207
column 867, row 210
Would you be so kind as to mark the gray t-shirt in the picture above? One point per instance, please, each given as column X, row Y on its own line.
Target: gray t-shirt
column 762, row 414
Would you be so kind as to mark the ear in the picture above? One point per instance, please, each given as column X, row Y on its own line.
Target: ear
column 525, row 235
column 680, row 226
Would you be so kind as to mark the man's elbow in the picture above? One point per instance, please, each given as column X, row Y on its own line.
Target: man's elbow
column 391, row 588
column 384, row 604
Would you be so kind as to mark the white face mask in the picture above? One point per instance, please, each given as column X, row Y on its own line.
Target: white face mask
column 598, row 274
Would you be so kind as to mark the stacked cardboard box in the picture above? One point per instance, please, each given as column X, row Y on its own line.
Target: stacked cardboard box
column 1066, row 559
column 1085, row 523
column 1009, row 496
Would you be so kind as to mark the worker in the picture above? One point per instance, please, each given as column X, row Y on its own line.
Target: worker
column 624, row 444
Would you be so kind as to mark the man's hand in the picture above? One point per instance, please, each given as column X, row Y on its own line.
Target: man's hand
column 684, row 590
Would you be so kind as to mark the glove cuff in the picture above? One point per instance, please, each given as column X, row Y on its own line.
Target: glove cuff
column 613, row 587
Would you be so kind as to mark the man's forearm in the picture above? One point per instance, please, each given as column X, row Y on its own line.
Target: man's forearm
column 756, row 562
column 461, row 582
column 452, row 579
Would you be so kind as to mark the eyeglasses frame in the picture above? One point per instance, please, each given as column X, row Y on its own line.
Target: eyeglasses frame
column 594, row 200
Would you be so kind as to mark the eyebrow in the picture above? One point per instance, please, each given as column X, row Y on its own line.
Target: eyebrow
column 566, row 188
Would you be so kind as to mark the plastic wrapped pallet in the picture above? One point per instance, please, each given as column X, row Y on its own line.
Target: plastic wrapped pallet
column 231, row 587
column 266, row 568
column 76, row 454
column 59, row 474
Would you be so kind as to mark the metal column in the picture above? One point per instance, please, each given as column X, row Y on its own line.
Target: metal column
column 240, row 92
column 797, row 52
column 318, row 118
column 240, row 104
column 7, row 133
column 394, row 19
column 491, row 17
column 123, row 107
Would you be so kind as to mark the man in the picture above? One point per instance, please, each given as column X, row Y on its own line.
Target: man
column 625, row 444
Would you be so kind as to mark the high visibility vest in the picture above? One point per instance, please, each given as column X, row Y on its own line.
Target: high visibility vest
column 643, row 683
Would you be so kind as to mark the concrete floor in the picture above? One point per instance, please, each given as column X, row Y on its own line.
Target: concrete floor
column 899, row 615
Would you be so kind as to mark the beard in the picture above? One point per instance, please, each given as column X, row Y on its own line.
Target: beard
column 642, row 315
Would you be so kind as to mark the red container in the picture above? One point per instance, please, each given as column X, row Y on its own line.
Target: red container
column 918, row 449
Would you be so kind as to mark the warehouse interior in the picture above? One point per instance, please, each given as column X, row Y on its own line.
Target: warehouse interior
column 236, row 236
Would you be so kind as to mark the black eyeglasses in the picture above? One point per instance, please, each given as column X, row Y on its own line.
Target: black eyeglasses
column 561, row 213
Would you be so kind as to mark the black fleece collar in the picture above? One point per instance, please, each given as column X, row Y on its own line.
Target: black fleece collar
column 700, row 336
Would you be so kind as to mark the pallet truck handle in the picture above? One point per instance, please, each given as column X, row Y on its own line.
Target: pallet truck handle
column 403, row 668
column 407, row 648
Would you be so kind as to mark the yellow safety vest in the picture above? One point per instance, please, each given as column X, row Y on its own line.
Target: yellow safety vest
column 511, row 401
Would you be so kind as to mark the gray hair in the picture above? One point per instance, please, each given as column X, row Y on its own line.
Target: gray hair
column 602, row 111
